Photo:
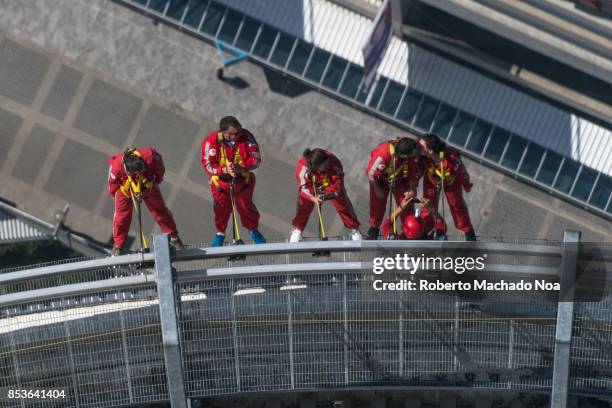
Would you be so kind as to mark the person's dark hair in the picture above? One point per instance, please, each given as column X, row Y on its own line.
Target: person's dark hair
column 228, row 121
column 434, row 142
column 315, row 157
column 133, row 164
column 405, row 146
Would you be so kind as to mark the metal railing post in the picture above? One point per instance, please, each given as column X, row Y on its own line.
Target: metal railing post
column 565, row 317
column 169, row 324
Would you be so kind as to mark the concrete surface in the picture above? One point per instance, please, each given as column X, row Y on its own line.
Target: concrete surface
column 81, row 80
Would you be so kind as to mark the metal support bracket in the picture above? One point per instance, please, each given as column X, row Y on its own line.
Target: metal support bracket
column 169, row 324
column 565, row 318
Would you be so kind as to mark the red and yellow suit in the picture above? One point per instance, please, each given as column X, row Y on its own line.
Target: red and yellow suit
column 244, row 154
column 384, row 168
column 450, row 171
column 145, row 185
column 329, row 185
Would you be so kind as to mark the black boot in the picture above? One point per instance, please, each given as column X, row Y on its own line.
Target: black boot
column 470, row 236
column 373, row 233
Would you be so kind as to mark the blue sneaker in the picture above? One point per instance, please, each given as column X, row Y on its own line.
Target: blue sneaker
column 257, row 237
column 218, row 241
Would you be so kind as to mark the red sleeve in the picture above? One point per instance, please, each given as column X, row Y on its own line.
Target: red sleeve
column 378, row 162
column 336, row 174
column 253, row 155
column 210, row 155
column 115, row 174
column 302, row 176
column 459, row 168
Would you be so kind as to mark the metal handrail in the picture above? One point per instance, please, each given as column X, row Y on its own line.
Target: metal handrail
column 192, row 254
column 145, row 274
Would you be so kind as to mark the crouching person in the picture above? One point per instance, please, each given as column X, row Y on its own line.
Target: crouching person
column 135, row 175
column 320, row 178
column 424, row 224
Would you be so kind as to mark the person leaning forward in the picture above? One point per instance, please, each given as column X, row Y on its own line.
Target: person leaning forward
column 229, row 156
column 320, row 178
column 135, row 174
column 394, row 165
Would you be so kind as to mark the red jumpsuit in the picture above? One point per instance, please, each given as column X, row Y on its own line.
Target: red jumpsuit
column 381, row 170
column 330, row 185
column 431, row 226
column 118, row 187
column 244, row 152
column 455, row 179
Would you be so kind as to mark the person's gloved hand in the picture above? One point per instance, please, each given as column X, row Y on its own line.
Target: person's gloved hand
column 329, row 196
column 467, row 186
column 148, row 184
column 316, row 199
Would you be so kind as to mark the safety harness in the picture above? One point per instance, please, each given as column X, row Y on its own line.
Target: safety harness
column 138, row 185
column 392, row 172
column 223, row 161
column 436, row 174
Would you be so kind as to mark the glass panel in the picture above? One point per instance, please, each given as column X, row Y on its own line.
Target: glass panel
column 410, row 104
column 158, row 5
column 478, row 138
column 194, row 13
column 361, row 95
column 392, row 97
column 230, row 26
column 444, row 119
column 317, row 65
column 602, row 192
column 497, row 144
column 567, row 175
column 426, row 113
column 213, row 18
column 532, row 160
column 265, row 42
column 334, row 72
column 176, row 9
column 461, row 128
column 583, row 186
column 282, row 50
column 380, row 87
column 247, row 34
column 549, row 168
column 515, row 150
column 300, row 57
column 351, row 81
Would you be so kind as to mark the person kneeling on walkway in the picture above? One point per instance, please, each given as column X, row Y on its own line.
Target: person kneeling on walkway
column 320, row 178
column 424, row 224
column 135, row 175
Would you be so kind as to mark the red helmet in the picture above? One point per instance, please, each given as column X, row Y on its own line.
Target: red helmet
column 412, row 227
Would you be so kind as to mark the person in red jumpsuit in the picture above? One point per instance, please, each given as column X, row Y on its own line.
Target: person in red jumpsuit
column 320, row 178
column 138, row 172
column 229, row 156
column 394, row 164
column 445, row 170
column 424, row 224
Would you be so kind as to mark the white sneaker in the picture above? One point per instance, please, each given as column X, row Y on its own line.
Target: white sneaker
column 296, row 236
column 355, row 235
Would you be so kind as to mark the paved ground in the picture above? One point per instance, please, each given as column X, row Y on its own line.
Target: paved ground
column 72, row 95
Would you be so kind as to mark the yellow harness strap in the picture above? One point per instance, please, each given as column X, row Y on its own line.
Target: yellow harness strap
column 435, row 174
column 402, row 169
column 237, row 159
